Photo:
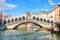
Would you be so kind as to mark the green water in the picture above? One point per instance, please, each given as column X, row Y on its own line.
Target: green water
column 23, row 35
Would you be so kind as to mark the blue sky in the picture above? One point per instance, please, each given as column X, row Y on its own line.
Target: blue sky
column 19, row 7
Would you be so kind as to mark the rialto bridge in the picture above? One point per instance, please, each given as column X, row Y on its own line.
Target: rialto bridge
column 42, row 20
column 28, row 17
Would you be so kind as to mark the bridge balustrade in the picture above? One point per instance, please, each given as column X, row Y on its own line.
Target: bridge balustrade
column 23, row 18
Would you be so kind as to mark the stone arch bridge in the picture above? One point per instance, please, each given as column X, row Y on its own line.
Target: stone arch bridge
column 13, row 23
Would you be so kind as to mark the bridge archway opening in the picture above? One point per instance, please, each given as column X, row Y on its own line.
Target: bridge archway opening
column 9, row 21
column 16, row 19
column 48, row 21
column 38, row 18
column 41, row 19
column 23, row 17
column 28, row 22
column 44, row 20
column 19, row 18
column 12, row 20
column 51, row 21
column 34, row 17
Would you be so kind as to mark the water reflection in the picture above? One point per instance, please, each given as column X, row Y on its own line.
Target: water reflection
column 23, row 35
column 2, row 26
column 54, row 36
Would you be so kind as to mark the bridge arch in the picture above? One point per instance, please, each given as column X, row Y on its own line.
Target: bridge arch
column 9, row 20
column 44, row 20
column 41, row 19
column 12, row 20
column 34, row 17
column 19, row 18
column 51, row 21
column 28, row 21
column 37, row 18
column 23, row 17
column 48, row 21
column 16, row 19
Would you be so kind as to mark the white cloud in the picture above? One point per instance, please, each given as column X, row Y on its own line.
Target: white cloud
column 41, row 9
column 10, row 6
column 51, row 2
column 2, row 1
column 58, row 2
column 51, row 9
column 5, row 6
column 46, row 9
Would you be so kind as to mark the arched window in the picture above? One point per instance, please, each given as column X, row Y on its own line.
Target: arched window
column 44, row 20
column 19, row 18
column 23, row 17
column 33, row 17
column 41, row 19
column 48, row 21
column 8, row 20
column 51, row 21
column 16, row 19
column 38, row 18
column 12, row 20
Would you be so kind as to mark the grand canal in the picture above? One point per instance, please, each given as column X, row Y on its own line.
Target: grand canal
column 28, row 35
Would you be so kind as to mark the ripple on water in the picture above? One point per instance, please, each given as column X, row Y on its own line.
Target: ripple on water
column 23, row 35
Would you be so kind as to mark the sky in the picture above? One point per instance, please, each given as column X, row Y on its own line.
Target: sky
column 19, row 7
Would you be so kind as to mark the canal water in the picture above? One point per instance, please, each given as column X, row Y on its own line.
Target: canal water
column 28, row 35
